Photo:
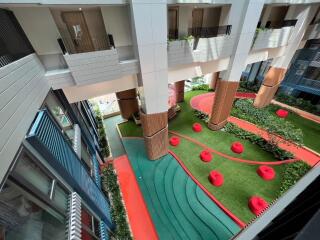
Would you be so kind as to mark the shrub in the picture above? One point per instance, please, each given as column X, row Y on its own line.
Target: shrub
column 249, row 86
column 291, row 174
column 201, row 115
column 244, row 109
column 298, row 102
column 118, row 213
column 204, row 87
column 277, row 152
column 103, row 143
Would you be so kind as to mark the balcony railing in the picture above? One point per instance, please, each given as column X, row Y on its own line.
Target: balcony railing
column 208, row 32
column 47, row 138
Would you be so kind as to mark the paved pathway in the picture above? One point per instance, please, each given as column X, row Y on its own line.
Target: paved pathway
column 114, row 140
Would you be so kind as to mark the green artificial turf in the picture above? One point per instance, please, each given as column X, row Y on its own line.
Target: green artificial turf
column 241, row 180
column 130, row 129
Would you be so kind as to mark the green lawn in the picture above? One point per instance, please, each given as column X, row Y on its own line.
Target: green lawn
column 241, row 180
column 130, row 129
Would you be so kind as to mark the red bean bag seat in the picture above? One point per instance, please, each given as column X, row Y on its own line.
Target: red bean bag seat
column 237, row 147
column 216, row 178
column 282, row 113
column 265, row 172
column 197, row 127
column 257, row 204
column 174, row 141
column 206, row 156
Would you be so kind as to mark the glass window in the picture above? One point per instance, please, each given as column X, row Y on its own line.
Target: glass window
column 30, row 172
column 89, row 225
column 60, row 197
column 86, row 157
column 23, row 217
column 60, row 115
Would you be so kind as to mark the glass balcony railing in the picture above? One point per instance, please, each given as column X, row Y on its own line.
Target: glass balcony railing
column 208, row 32
column 47, row 138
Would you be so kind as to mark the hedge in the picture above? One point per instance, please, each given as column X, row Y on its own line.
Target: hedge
column 246, row 86
column 204, row 87
column 291, row 174
column 104, row 147
column 118, row 212
column 255, row 139
column 244, row 109
column 298, row 102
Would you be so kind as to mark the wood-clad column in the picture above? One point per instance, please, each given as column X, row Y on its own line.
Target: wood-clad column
column 179, row 88
column 222, row 105
column 155, row 133
column 269, row 86
column 214, row 80
column 128, row 103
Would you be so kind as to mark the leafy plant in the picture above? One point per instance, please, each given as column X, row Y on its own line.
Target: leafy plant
column 204, row 87
column 244, row 109
column 298, row 102
column 118, row 213
column 291, row 174
column 103, row 143
column 246, row 86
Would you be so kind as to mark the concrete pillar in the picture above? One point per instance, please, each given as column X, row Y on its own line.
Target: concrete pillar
column 184, row 20
column 179, row 89
column 77, row 140
column 244, row 16
column 128, row 103
column 266, row 15
column 149, row 19
column 279, row 66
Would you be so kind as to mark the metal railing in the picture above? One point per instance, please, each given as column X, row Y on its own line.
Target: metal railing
column 208, row 32
column 46, row 137
column 281, row 24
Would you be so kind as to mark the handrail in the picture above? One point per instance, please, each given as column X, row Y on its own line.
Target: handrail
column 46, row 137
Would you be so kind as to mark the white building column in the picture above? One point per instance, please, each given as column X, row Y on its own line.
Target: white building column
column 244, row 16
column 77, row 140
column 149, row 19
column 279, row 66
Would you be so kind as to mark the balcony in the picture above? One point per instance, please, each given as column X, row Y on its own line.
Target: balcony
column 312, row 32
column 207, row 44
column 46, row 137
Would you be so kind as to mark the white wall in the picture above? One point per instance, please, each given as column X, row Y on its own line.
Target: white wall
column 117, row 22
column 79, row 93
column 22, row 91
column 40, row 28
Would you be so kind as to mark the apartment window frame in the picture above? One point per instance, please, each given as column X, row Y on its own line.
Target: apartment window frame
column 91, row 231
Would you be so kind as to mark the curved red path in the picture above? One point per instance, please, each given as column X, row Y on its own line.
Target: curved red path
column 230, row 157
column 204, row 103
column 227, row 211
column 139, row 218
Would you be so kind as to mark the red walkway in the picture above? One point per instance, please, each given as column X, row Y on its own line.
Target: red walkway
column 204, row 103
column 140, row 221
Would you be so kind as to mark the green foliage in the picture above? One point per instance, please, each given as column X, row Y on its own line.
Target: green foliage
column 246, row 86
column 201, row 115
column 255, row 139
column 204, row 87
column 291, row 174
column 244, row 109
column 118, row 213
column 102, row 135
column 298, row 102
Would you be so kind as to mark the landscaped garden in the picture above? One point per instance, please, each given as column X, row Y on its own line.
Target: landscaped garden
column 241, row 180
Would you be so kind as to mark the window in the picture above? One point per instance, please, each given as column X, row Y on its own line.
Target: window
column 90, row 225
column 312, row 73
column 60, row 115
column 86, row 157
column 22, row 216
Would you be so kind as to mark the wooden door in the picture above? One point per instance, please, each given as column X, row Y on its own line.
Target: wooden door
column 197, row 21
column 173, row 23
column 78, row 30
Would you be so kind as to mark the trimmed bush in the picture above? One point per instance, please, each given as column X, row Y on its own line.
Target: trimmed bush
column 246, row 86
column 244, row 109
column 291, row 174
column 298, row 102
column 118, row 212
column 204, row 87
column 103, row 143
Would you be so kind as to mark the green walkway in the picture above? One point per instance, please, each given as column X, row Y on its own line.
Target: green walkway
column 110, row 125
column 178, row 207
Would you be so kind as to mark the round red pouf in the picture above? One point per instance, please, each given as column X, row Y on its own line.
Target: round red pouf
column 174, row 141
column 257, row 204
column 237, row 147
column 281, row 113
column 266, row 173
column 197, row 127
column 206, row 156
column 216, row 178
